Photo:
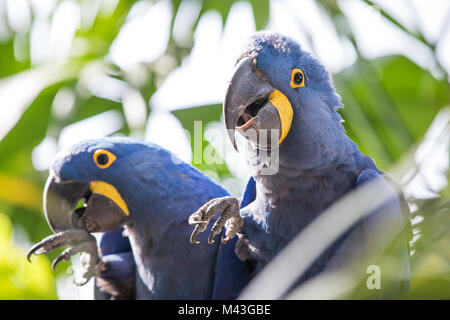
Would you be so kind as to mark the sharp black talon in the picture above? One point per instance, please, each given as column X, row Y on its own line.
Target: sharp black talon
column 211, row 238
column 80, row 284
column 33, row 250
column 193, row 238
column 225, row 240
column 56, row 261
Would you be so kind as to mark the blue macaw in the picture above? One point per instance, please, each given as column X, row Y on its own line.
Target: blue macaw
column 139, row 195
column 281, row 99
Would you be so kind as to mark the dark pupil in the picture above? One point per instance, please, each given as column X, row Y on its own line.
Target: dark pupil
column 102, row 159
column 298, row 78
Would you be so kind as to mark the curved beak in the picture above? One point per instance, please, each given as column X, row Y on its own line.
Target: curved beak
column 102, row 211
column 251, row 102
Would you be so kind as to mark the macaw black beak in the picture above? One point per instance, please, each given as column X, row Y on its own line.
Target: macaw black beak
column 252, row 104
column 104, row 209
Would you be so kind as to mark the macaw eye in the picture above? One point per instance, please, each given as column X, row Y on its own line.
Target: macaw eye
column 297, row 78
column 103, row 158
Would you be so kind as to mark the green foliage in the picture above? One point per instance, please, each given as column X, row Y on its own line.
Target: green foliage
column 431, row 259
column 261, row 9
column 19, row 279
column 207, row 114
column 8, row 64
column 18, row 144
column 389, row 103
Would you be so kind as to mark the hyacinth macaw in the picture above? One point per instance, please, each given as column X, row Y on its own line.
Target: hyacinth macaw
column 281, row 99
column 144, row 192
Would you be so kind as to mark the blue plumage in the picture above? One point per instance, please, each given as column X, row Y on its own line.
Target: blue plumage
column 232, row 275
column 118, row 279
column 318, row 163
column 160, row 191
column 114, row 242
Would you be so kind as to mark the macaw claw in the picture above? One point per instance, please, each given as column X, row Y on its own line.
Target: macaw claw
column 230, row 219
column 80, row 241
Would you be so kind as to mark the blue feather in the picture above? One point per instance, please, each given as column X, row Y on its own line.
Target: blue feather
column 160, row 192
column 318, row 163
column 232, row 275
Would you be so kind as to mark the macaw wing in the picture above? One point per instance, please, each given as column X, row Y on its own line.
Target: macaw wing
column 117, row 281
column 379, row 242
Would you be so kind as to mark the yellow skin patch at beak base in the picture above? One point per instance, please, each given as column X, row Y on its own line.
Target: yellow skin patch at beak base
column 103, row 188
column 281, row 102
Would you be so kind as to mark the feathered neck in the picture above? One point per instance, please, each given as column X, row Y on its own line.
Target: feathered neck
column 292, row 198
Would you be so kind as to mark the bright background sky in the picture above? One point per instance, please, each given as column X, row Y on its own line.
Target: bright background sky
column 203, row 75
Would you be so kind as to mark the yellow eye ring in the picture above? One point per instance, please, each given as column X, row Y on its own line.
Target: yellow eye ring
column 103, row 158
column 297, row 78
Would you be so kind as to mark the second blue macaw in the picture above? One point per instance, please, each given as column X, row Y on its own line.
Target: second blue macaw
column 140, row 189
column 281, row 99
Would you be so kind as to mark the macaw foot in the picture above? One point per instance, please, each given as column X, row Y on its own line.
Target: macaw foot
column 230, row 218
column 92, row 266
column 80, row 241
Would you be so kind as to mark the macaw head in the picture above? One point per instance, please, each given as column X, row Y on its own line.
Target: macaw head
column 279, row 87
column 96, row 185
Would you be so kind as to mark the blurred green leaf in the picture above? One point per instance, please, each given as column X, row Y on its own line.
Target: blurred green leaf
column 105, row 28
column 29, row 131
column 261, row 10
column 94, row 105
column 205, row 114
column 221, row 6
column 20, row 192
column 388, row 105
column 8, row 63
column 20, row 279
